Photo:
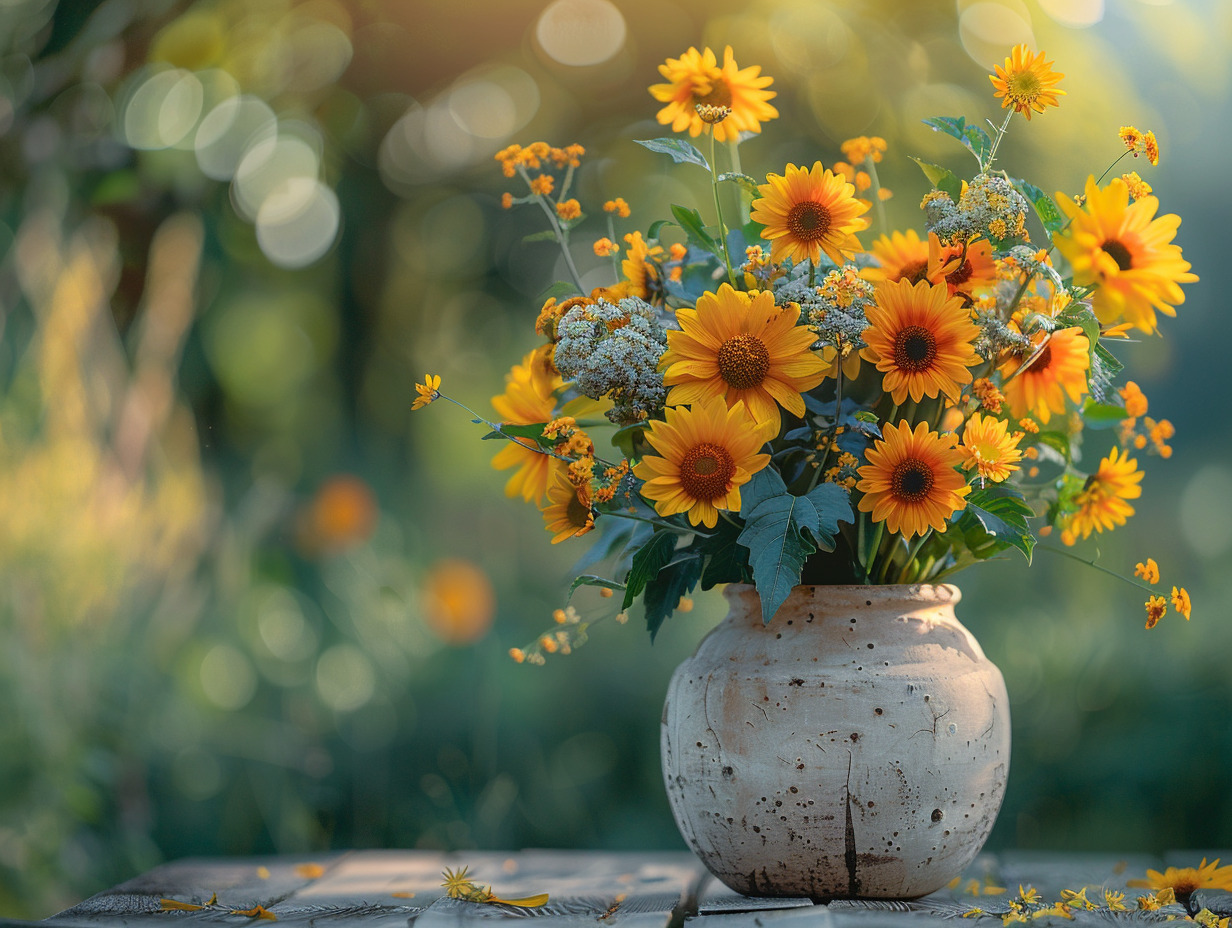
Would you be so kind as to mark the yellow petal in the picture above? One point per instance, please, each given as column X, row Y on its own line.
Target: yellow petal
column 526, row 902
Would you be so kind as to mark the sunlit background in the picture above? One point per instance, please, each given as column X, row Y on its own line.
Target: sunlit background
column 249, row 603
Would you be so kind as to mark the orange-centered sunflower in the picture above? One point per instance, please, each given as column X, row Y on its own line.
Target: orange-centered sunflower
column 1184, row 881
column 807, row 212
column 1102, row 502
column 529, row 398
column 899, row 256
column 1128, row 252
column 921, row 339
column 1059, row 371
column 706, row 453
column 696, row 78
column 741, row 347
column 910, row 481
column 1027, row 82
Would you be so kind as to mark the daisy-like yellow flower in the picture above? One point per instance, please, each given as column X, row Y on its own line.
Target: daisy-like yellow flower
column 529, row 398
column 1128, row 252
column 1181, row 603
column 1184, row 880
column 1148, row 571
column 706, row 453
column 989, row 448
column 910, row 481
column 1102, row 505
column 568, row 513
column 1138, row 188
column 1059, row 371
column 742, row 348
column 428, row 391
column 808, row 211
column 900, row 255
column 1026, row 82
column 964, row 270
column 696, row 77
column 921, row 339
column 641, row 269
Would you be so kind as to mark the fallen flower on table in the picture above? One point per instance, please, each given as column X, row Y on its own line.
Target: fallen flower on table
column 257, row 911
column 1184, row 880
column 458, row 885
column 174, row 905
column 310, row 871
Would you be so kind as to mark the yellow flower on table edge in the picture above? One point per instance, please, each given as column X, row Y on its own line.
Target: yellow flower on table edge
column 696, row 77
column 1058, row 372
column 990, row 448
column 1184, row 880
column 899, row 255
column 911, row 482
column 428, row 391
column 807, row 211
column 1026, row 82
column 921, row 338
column 568, row 513
column 1126, row 252
column 706, row 453
column 742, row 348
column 1102, row 504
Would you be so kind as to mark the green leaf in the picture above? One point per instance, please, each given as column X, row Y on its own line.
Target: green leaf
column 691, row 221
column 647, row 562
column 1102, row 415
column 766, row 483
column 1001, row 513
column 1056, row 442
column 664, row 590
column 941, row 178
column 534, row 431
column 973, row 137
column 558, row 289
column 682, row 152
column 726, row 563
column 547, row 235
column 833, row 505
column 592, row 580
column 656, row 227
column 1045, row 207
column 743, row 180
column 1104, row 370
column 625, row 438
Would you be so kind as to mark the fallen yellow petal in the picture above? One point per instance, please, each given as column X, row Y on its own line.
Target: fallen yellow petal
column 213, row 899
column 174, row 905
column 310, row 871
column 526, row 902
column 259, row 911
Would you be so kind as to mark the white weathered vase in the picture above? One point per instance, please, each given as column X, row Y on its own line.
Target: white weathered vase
column 857, row 746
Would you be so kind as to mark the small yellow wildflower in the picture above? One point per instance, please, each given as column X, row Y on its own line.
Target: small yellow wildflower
column 1075, row 899
column 428, row 391
column 606, row 593
column 1156, row 607
column 1209, row 919
column 1028, row 425
column 622, row 618
column 549, row 644
column 1138, row 188
column 1180, row 601
column 857, row 149
column 1150, row 147
column 569, row 209
column 617, row 206
column 605, row 247
column 1115, row 901
column 685, row 604
column 506, row 200
column 543, row 185
column 517, row 654
column 988, row 394
column 1135, row 400
column 1148, row 571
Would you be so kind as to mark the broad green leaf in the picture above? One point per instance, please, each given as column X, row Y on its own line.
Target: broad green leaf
column 764, row 484
column 656, row 227
column 592, row 580
column 691, row 221
column 941, row 178
column 867, row 415
column 726, row 563
column 742, row 180
column 1045, row 207
column 682, row 152
column 973, row 137
column 647, row 562
column 1102, row 415
column 663, row 591
column 547, row 235
column 1104, row 370
column 777, row 549
column 519, row 431
column 833, row 505
column 1001, row 513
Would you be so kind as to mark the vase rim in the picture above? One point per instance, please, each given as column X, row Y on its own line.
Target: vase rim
column 897, row 592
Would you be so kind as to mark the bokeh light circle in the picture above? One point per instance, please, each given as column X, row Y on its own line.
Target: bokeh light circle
column 266, row 165
column 229, row 130
column 163, row 109
column 580, row 33
column 989, row 30
column 298, row 222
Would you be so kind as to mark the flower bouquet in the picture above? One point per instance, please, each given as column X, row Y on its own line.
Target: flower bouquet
column 789, row 404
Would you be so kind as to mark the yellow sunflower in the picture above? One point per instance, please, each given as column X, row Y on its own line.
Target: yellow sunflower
column 1027, row 82
column 1126, row 251
column 921, row 339
column 705, row 454
column 964, row 270
column 807, row 212
column 910, row 481
column 568, row 513
column 990, row 448
column 1059, row 371
column 742, row 348
column 1184, row 880
column 529, row 398
column 696, row 78
column 1102, row 503
column 641, row 269
column 900, row 255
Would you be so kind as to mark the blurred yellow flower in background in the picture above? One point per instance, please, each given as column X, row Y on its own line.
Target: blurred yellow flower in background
column 458, row 602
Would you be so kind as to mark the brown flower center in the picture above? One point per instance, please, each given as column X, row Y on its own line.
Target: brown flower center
column 808, row 221
column 1119, row 253
column 744, row 361
column 914, row 272
column 960, row 276
column 915, row 349
column 911, row 481
column 577, row 512
column 706, row 471
column 720, row 95
column 1041, row 364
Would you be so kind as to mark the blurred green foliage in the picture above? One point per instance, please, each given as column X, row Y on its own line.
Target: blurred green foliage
column 248, row 604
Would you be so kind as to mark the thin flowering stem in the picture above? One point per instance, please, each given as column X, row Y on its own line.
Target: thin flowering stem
column 1101, row 177
column 875, row 189
column 733, row 147
column 670, row 526
column 996, row 143
column 611, row 237
column 718, row 209
column 498, row 427
column 1099, row 567
column 562, row 236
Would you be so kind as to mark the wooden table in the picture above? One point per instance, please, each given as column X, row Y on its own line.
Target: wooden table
column 401, row 889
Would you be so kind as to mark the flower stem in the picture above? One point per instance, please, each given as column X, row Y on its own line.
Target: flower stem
column 1099, row 567
column 718, row 209
column 733, row 148
column 996, row 143
column 561, row 234
column 876, row 191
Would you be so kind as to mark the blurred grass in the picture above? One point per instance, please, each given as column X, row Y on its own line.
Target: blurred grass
column 242, row 599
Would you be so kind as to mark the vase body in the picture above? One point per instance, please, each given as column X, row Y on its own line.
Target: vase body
column 857, row 746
